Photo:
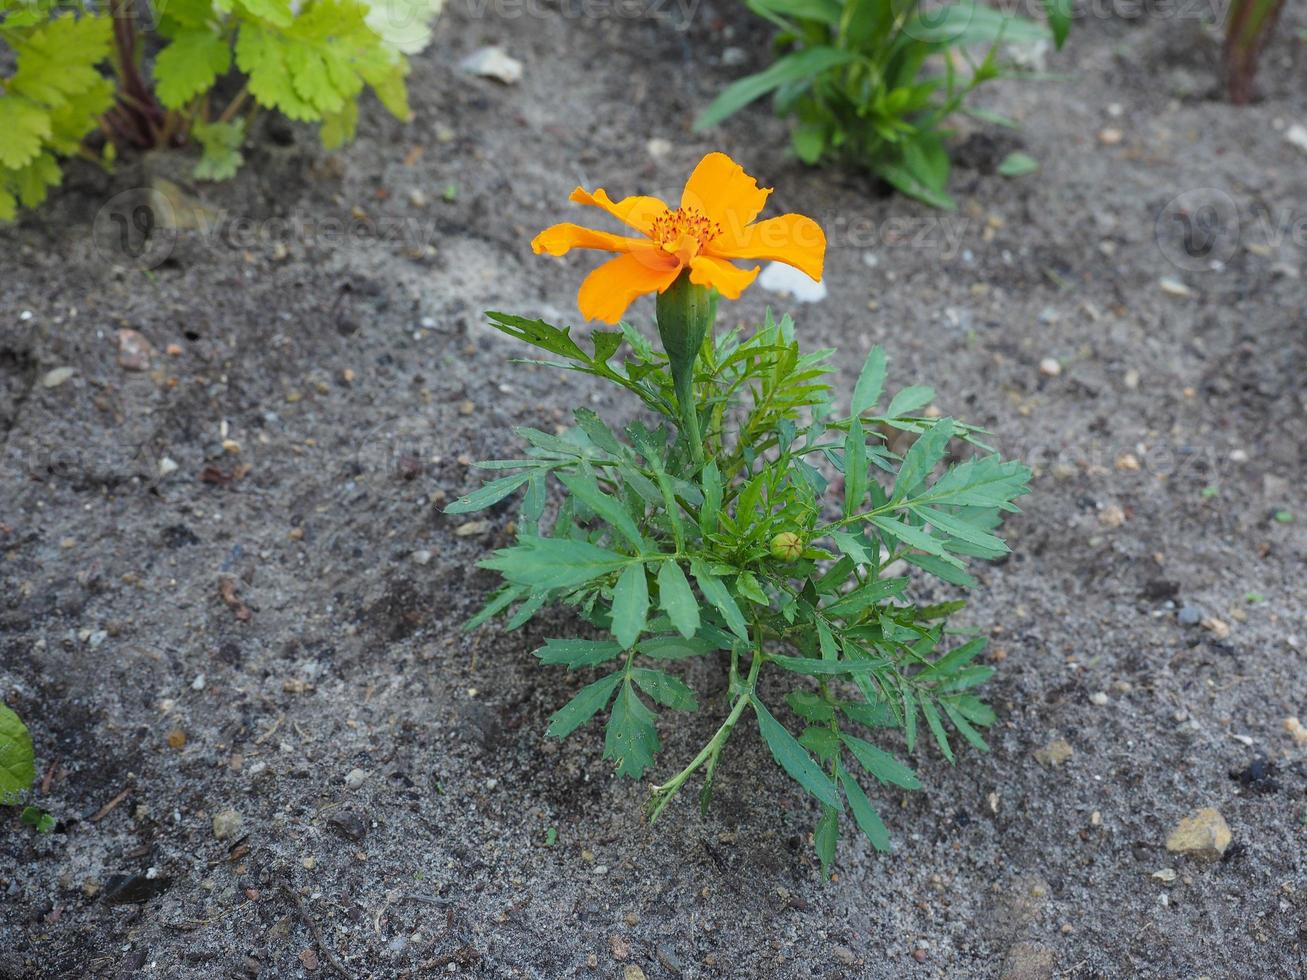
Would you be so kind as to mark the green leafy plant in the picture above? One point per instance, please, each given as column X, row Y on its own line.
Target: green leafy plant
column 750, row 522
column 874, row 82
column 17, row 760
column 81, row 70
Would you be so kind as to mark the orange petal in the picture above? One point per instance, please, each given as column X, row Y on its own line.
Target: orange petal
column 561, row 239
column 609, row 290
column 727, row 279
column 638, row 212
column 721, row 189
column 791, row 238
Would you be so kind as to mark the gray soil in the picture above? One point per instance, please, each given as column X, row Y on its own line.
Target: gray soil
column 293, row 609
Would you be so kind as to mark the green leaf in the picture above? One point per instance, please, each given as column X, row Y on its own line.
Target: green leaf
column 855, row 468
column 711, row 479
column 947, row 569
column 17, row 759
column 488, row 494
column 791, row 757
column 539, row 334
column 986, row 481
column 189, row 65
column 803, row 65
column 986, row 544
column 221, row 143
column 881, row 764
column 631, row 738
column 922, row 458
column 578, row 653
column 826, row 641
column 1017, row 164
column 936, row 727
column 675, row 647
column 825, row 836
column 1059, row 14
column 915, row 537
column 809, row 706
column 952, row 661
column 747, row 585
column 497, row 604
column 676, row 598
column 964, row 728
column 585, row 489
column 852, row 546
column 861, row 599
column 866, row 817
column 665, row 689
column 909, row 400
column 871, row 382
column 26, row 126
column 715, row 591
column 583, row 707
column 630, row 605
column 824, row 668
column 554, row 563
column 826, row 11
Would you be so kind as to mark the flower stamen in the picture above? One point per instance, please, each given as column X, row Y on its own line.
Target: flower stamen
column 684, row 231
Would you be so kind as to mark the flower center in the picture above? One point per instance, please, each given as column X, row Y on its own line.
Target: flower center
column 684, row 232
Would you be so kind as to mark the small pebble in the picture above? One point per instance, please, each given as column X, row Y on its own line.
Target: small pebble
column 1099, row 698
column 56, row 377
column 1110, row 136
column 355, row 778
column 1189, row 616
column 226, row 824
column 422, row 557
column 167, row 466
column 1111, row 516
column 1049, row 367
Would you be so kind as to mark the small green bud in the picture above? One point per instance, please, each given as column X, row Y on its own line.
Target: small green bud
column 786, row 546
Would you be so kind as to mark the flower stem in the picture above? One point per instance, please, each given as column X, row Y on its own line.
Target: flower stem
column 686, row 314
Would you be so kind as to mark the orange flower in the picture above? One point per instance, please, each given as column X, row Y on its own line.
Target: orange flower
column 713, row 225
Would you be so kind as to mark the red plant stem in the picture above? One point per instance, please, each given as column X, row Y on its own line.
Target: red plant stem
column 1250, row 24
column 136, row 101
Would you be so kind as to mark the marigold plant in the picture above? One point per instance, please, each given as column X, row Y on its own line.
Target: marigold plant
column 746, row 520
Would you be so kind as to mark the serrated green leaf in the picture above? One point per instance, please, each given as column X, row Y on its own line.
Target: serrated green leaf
column 554, row 563
column 791, row 757
column 964, row 727
column 578, row 653
column 631, row 738
column 667, row 690
column 864, row 814
column 675, row 647
column 630, row 605
column 221, row 143
column 17, row 759
column 871, row 382
column 588, row 701
column 676, row 598
column 26, row 126
column 189, row 65
column 922, row 458
column 583, row 486
column 809, row 706
column 489, row 493
column 955, row 659
column 949, row 569
column 825, row 668
column 855, row 468
column 909, row 400
column 715, row 591
column 880, row 763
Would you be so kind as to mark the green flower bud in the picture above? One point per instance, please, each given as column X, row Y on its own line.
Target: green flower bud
column 786, row 546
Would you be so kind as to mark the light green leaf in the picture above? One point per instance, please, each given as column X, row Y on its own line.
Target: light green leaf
column 922, row 458
column 715, row 591
column 554, row 563
column 189, row 65
column 871, row 382
column 17, row 759
column 584, row 488
column 909, row 400
column 936, row 727
column 221, row 143
column 803, row 65
column 1017, row 164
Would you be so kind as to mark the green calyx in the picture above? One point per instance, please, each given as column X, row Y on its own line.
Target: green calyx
column 686, row 313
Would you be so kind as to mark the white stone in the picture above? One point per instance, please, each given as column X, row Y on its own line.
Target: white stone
column 780, row 278
column 493, row 62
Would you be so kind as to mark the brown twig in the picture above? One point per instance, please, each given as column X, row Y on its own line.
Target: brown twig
column 323, row 948
column 109, row 807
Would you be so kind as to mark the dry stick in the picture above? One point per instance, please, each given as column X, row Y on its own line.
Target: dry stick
column 323, row 948
column 109, row 807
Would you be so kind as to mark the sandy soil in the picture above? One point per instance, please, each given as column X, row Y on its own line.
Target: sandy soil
column 292, row 610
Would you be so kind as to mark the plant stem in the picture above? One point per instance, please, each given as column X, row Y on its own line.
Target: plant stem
column 667, row 791
column 1247, row 30
column 686, row 315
